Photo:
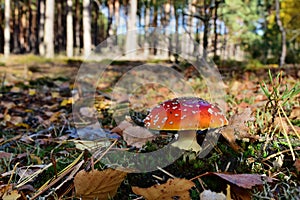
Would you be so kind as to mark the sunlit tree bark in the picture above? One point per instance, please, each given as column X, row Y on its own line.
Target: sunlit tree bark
column 77, row 19
column 7, row 29
column 86, row 20
column 131, row 37
column 49, row 29
column 283, row 34
column 69, row 29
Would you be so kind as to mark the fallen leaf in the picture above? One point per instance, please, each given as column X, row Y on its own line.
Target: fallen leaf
column 98, row 184
column 8, row 104
column 208, row 195
column 237, row 128
column 137, row 136
column 172, row 188
column 297, row 164
column 13, row 195
column 295, row 114
column 121, row 127
column 283, row 124
column 246, row 181
column 4, row 154
column 88, row 112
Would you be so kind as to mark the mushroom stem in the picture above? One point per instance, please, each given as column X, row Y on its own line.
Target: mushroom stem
column 187, row 140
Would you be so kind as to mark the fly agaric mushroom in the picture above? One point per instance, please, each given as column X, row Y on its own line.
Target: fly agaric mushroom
column 186, row 115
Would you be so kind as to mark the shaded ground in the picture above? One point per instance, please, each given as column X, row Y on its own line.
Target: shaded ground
column 36, row 122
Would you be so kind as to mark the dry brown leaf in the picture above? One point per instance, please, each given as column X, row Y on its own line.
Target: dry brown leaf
column 13, row 195
column 284, row 125
column 172, row 188
column 297, row 164
column 295, row 114
column 237, row 129
column 137, row 136
column 121, row 127
column 98, row 184
column 4, row 154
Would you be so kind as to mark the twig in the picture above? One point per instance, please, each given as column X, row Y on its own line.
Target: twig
column 105, row 152
column 164, row 171
column 288, row 120
column 278, row 153
column 287, row 137
column 199, row 176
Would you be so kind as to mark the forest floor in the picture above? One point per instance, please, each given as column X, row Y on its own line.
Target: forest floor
column 49, row 150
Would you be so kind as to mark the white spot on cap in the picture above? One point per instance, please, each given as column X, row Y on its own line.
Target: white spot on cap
column 176, row 114
column 184, row 116
column 194, row 111
column 174, row 107
column 171, row 122
column 210, row 111
column 185, row 110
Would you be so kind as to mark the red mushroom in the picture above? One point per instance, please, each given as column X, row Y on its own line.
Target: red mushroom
column 185, row 115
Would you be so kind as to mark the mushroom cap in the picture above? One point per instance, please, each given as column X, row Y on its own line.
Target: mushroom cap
column 185, row 113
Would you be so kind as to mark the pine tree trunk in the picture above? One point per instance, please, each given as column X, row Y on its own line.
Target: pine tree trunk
column 7, row 29
column 131, row 26
column 86, row 20
column 69, row 29
column 147, row 23
column 49, row 28
column 283, row 35
column 41, row 29
column 77, row 27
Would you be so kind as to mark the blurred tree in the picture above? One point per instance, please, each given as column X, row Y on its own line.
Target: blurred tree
column 283, row 34
column 69, row 28
column 40, row 28
column 7, row 29
column 49, row 28
column 131, row 38
column 86, row 20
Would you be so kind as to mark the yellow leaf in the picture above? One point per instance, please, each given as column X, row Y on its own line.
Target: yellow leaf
column 172, row 188
column 13, row 195
column 98, row 184
column 66, row 102
column 55, row 94
column 32, row 92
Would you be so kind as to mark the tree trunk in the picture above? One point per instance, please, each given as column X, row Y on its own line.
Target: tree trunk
column 38, row 16
column 131, row 33
column 86, row 20
column 147, row 23
column 7, row 29
column 49, row 28
column 215, row 30
column 16, row 27
column 110, row 17
column 283, row 35
column 41, row 28
column 117, row 19
column 77, row 27
column 69, row 29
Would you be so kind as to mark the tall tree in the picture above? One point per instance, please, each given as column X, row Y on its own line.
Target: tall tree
column 86, row 20
column 7, row 29
column 283, row 34
column 69, row 29
column 49, row 29
column 41, row 28
column 77, row 19
column 131, row 38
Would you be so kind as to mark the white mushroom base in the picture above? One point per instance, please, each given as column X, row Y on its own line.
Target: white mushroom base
column 187, row 140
